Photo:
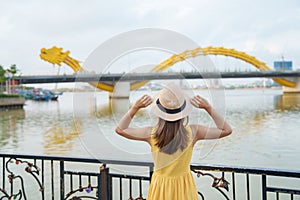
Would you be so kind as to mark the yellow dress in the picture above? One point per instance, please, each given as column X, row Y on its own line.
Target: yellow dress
column 172, row 178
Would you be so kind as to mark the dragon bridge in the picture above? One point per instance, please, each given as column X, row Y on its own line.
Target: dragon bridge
column 55, row 55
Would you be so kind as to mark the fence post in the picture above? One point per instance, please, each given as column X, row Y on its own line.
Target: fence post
column 150, row 172
column 104, row 175
column 62, row 180
column 99, row 186
column 264, row 187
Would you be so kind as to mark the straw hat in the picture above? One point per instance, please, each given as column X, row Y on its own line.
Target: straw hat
column 171, row 103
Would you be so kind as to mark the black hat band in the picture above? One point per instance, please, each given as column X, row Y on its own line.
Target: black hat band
column 170, row 111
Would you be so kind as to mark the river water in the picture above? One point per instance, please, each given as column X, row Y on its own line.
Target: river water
column 265, row 129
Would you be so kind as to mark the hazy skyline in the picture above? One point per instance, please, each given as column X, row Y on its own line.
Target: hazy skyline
column 267, row 30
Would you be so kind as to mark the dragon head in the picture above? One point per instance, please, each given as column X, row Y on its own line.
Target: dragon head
column 54, row 55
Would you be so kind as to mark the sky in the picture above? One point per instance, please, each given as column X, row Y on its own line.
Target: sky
column 265, row 29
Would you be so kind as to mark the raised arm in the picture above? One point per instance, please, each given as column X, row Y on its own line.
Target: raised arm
column 222, row 128
column 134, row 133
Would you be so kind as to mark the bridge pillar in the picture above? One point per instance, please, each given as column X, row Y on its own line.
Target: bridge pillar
column 121, row 91
column 119, row 99
column 295, row 89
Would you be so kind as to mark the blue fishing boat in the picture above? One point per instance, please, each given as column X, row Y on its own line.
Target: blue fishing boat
column 39, row 94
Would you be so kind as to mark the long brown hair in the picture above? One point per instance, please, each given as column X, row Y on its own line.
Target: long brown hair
column 171, row 136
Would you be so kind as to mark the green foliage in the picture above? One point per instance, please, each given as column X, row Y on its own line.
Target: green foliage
column 13, row 69
column 10, row 95
column 2, row 72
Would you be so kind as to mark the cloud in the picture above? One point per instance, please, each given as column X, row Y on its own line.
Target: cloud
column 262, row 28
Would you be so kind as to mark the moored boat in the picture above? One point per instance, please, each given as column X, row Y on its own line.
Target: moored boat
column 39, row 94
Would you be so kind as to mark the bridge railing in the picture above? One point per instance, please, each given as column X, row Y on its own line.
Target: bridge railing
column 53, row 177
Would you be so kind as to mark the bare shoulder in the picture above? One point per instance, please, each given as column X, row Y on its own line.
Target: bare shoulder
column 198, row 132
column 193, row 127
column 147, row 133
column 194, row 132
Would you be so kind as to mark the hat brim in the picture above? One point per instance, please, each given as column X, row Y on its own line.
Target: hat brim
column 172, row 117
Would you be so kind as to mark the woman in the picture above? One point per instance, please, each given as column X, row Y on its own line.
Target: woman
column 172, row 140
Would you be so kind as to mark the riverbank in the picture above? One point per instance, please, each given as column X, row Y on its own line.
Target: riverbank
column 11, row 102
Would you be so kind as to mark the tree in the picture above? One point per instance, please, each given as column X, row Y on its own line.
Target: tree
column 2, row 72
column 13, row 70
column 2, row 78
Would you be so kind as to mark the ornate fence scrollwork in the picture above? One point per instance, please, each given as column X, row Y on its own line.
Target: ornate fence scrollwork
column 217, row 183
column 88, row 189
column 138, row 198
column 85, row 189
column 30, row 168
column 12, row 196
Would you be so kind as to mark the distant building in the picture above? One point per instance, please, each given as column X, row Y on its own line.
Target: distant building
column 283, row 65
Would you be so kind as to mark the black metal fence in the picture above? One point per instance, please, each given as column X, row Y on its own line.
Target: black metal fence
column 249, row 183
column 65, row 178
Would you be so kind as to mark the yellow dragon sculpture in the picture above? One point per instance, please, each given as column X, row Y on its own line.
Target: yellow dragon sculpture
column 55, row 55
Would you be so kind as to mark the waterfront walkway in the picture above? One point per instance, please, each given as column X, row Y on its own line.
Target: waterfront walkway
column 11, row 103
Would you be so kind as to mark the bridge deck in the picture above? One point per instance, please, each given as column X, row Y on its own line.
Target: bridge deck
column 151, row 76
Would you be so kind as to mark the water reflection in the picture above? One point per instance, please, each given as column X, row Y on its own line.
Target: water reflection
column 287, row 101
column 114, row 107
column 265, row 128
column 84, row 105
column 10, row 121
column 60, row 139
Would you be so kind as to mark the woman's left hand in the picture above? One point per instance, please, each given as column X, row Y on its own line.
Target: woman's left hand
column 143, row 102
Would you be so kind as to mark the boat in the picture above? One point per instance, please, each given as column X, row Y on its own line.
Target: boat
column 40, row 94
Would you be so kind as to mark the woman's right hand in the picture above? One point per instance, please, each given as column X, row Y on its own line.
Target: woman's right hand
column 200, row 102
